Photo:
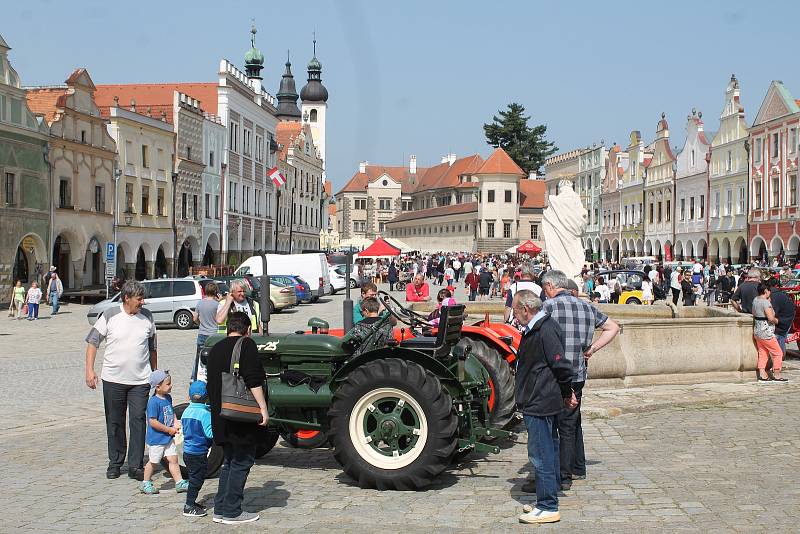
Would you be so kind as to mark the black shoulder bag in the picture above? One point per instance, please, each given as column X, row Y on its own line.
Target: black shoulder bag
column 238, row 402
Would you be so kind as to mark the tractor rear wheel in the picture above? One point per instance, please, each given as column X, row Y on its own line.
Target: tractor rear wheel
column 392, row 425
column 501, row 382
column 305, row 439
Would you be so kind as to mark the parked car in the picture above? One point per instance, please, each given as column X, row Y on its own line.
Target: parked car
column 338, row 281
column 281, row 296
column 222, row 286
column 630, row 283
column 301, row 289
column 170, row 300
column 312, row 267
column 341, row 270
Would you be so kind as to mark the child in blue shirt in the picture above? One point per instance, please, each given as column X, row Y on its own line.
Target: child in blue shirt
column 197, row 438
column 161, row 429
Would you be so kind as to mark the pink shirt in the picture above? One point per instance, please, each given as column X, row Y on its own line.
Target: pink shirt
column 416, row 295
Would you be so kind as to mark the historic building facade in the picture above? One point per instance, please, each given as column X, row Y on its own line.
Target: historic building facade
column 213, row 148
column 773, row 171
column 303, row 201
column 659, row 193
column 727, row 223
column 611, row 202
column 25, row 196
column 82, row 157
column 691, row 192
column 144, row 191
column 484, row 206
column 632, row 199
column 592, row 164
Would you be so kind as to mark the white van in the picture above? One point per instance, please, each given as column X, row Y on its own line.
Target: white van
column 313, row 268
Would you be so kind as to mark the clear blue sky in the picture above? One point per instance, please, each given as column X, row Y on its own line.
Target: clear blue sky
column 421, row 77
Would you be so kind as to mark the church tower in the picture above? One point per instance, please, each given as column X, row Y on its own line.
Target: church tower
column 314, row 99
column 287, row 96
column 254, row 61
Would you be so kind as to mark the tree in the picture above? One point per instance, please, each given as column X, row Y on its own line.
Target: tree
column 526, row 145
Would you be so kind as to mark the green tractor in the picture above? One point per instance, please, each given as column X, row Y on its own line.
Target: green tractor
column 396, row 415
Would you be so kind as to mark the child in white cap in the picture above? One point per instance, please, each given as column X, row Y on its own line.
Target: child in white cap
column 161, row 429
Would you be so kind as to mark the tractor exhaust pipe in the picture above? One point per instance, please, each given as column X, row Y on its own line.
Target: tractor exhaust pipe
column 347, row 305
column 263, row 300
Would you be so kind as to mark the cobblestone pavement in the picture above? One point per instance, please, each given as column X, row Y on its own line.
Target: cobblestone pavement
column 729, row 463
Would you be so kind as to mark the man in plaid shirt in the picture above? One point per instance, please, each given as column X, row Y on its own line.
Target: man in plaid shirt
column 578, row 319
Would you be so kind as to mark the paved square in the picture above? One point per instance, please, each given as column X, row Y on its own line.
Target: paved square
column 726, row 465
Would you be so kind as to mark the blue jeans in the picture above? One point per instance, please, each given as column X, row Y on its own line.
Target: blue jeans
column 782, row 342
column 54, row 302
column 543, row 454
column 473, row 294
column 232, row 478
column 197, row 465
column 33, row 310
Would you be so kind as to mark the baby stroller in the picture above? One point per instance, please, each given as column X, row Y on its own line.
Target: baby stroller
column 403, row 278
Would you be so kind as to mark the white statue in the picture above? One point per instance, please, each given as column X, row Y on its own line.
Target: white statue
column 564, row 221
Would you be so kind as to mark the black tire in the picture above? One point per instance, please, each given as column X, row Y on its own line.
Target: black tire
column 267, row 440
column 215, row 454
column 314, row 299
column 184, row 320
column 633, row 300
column 352, row 284
column 306, row 439
column 382, row 384
column 502, row 404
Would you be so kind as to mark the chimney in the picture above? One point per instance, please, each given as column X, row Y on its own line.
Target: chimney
column 133, row 105
column 451, row 158
column 412, row 164
column 532, row 176
column 362, row 167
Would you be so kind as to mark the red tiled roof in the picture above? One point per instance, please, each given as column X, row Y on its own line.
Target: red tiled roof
column 46, row 101
column 532, row 193
column 285, row 134
column 453, row 209
column 358, row 183
column 328, row 188
column 500, row 163
column 156, row 96
column 331, row 209
column 76, row 74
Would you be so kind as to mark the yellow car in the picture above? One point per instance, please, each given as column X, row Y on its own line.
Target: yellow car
column 630, row 282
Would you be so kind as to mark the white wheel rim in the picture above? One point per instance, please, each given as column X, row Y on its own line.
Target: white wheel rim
column 183, row 320
column 365, row 446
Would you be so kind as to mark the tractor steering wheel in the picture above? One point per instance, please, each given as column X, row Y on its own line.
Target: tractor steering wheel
column 401, row 313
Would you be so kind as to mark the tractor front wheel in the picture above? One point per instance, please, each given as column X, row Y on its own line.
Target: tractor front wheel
column 392, row 425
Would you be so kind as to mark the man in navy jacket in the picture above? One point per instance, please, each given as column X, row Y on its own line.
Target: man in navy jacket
column 543, row 388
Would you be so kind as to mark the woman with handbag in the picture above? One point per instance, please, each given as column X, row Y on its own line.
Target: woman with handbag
column 236, row 416
column 17, row 300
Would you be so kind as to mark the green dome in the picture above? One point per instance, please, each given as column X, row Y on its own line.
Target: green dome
column 254, row 57
column 314, row 64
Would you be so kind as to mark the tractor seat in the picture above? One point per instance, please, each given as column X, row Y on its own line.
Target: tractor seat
column 422, row 342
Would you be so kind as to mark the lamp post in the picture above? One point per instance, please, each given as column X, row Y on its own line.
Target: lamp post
column 277, row 215
column 291, row 222
column 117, row 176
column 174, row 225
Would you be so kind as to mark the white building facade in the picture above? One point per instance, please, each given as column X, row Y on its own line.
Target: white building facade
column 588, row 184
column 691, row 192
column 144, row 192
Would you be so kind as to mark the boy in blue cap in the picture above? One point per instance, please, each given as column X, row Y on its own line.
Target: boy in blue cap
column 197, row 434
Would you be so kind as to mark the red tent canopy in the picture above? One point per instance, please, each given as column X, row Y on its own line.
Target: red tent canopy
column 528, row 247
column 380, row 248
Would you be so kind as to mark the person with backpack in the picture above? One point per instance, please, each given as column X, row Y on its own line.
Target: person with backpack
column 237, row 301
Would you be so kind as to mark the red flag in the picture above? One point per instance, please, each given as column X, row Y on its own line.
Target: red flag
column 276, row 176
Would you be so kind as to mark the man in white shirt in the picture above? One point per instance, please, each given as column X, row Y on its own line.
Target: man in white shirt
column 457, row 268
column 129, row 358
column 525, row 282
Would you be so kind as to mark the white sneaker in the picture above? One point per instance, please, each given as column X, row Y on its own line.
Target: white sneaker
column 244, row 517
column 540, row 516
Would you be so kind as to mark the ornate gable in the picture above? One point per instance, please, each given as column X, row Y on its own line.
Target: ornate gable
column 777, row 103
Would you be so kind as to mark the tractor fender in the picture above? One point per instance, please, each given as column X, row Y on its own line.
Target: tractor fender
column 426, row 362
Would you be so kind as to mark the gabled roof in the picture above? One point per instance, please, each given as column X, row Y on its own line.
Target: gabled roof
column 81, row 77
column 500, row 163
column 358, row 183
column 777, row 103
column 156, row 96
column 453, row 209
column 531, row 194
